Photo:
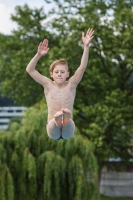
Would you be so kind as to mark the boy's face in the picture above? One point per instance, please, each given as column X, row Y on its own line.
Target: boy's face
column 60, row 74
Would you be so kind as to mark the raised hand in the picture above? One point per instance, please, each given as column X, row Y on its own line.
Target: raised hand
column 89, row 35
column 43, row 48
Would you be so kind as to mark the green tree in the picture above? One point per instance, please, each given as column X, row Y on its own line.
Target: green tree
column 103, row 105
column 33, row 166
column 17, row 50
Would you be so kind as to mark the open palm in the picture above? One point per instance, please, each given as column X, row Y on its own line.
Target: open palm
column 43, row 48
column 89, row 35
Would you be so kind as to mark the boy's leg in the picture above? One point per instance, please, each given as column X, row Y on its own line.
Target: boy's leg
column 68, row 130
column 68, row 124
column 54, row 126
column 61, row 125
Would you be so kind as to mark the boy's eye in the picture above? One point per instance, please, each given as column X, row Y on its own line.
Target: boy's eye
column 58, row 72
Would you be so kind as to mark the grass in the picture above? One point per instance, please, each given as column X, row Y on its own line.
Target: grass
column 115, row 198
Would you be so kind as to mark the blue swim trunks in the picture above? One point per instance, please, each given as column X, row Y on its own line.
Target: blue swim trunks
column 60, row 138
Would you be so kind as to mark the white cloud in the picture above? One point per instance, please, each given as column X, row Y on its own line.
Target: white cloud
column 7, row 7
column 5, row 23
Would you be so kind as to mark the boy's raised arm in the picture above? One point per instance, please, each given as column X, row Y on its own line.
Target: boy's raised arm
column 76, row 78
column 42, row 51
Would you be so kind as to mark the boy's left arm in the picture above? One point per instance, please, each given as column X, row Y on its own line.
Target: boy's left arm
column 76, row 78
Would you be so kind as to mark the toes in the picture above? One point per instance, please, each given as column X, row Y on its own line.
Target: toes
column 65, row 110
column 58, row 114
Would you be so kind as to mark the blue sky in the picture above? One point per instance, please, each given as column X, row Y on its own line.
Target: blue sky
column 7, row 8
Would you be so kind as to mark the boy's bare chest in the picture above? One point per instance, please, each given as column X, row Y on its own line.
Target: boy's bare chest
column 60, row 95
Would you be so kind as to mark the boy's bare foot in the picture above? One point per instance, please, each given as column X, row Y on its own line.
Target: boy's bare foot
column 66, row 116
column 58, row 118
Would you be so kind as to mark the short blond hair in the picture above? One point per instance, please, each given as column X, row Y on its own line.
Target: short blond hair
column 57, row 62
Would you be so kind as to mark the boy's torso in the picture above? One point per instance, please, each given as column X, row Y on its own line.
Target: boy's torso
column 59, row 97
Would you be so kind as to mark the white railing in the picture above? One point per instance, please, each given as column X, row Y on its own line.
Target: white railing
column 6, row 113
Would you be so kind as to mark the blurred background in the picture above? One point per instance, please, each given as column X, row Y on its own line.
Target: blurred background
column 97, row 162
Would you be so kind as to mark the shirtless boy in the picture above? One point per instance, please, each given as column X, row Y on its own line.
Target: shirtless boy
column 60, row 94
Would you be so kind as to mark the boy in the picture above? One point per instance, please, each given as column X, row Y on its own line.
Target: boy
column 60, row 94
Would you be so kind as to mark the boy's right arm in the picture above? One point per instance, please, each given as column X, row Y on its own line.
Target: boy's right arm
column 42, row 51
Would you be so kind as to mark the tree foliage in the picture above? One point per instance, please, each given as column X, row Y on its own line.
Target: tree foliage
column 16, row 52
column 104, row 96
column 33, row 166
column 103, row 105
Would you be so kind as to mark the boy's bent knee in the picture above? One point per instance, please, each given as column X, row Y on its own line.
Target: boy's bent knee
column 68, row 131
column 53, row 131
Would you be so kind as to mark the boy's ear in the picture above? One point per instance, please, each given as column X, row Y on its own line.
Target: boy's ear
column 51, row 74
column 68, row 73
